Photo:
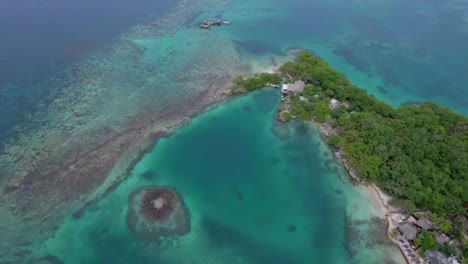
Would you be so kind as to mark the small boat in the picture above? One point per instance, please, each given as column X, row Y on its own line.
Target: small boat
column 205, row 25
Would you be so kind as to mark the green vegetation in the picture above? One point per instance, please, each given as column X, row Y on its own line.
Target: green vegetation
column 442, row 223
column 334, row 141
column 286, row 117
column 426, row 240
column 447, row 249
column 258, row 81
column 301, row 109
column 416, row 153
column 464, row 249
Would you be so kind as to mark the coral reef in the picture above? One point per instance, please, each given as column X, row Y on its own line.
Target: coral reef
column 157, row 213
column 103, row 114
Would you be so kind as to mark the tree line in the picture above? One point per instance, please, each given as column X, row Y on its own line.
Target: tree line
column 416, row 153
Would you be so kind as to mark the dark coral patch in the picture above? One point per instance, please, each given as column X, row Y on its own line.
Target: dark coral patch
column 149, row 175
column 157, row 213
column 159, row 203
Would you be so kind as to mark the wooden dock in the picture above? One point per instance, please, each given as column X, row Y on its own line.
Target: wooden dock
column 207, row 24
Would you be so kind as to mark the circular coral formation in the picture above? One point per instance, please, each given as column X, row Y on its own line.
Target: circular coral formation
column 156, row 213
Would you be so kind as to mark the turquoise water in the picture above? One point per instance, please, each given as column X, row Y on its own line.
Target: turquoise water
column 401, row 51
column 245, row 184
column 43, row 40
column 247, row 181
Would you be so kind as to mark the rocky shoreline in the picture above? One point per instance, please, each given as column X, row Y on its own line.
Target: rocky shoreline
column 339, row 154
column 383, row 200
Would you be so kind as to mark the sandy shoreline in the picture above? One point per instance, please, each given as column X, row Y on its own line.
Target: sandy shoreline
column 390, row 213
column 387, row 211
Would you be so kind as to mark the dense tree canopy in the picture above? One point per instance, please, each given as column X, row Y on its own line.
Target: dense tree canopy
column 426, row 240
column 258, row 81
column 418, row 153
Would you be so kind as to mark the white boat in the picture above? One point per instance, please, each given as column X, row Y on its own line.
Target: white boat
column 226, row 22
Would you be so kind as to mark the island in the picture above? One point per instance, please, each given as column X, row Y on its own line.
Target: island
column 416, row 154
column 157, row 214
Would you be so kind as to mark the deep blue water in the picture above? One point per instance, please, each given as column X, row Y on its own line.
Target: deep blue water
column 41, row 38
column 406, row 50
column 398, row 50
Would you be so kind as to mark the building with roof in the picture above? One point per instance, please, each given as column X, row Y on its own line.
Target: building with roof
column 442, row 238
column 425, row 224
column 334, row 103
column 454, row 260
column 408, row 231
column 297, row 86
column 411, row 219
column 436, row 257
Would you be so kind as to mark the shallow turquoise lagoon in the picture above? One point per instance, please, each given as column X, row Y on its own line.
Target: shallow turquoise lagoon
column 257, row 191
